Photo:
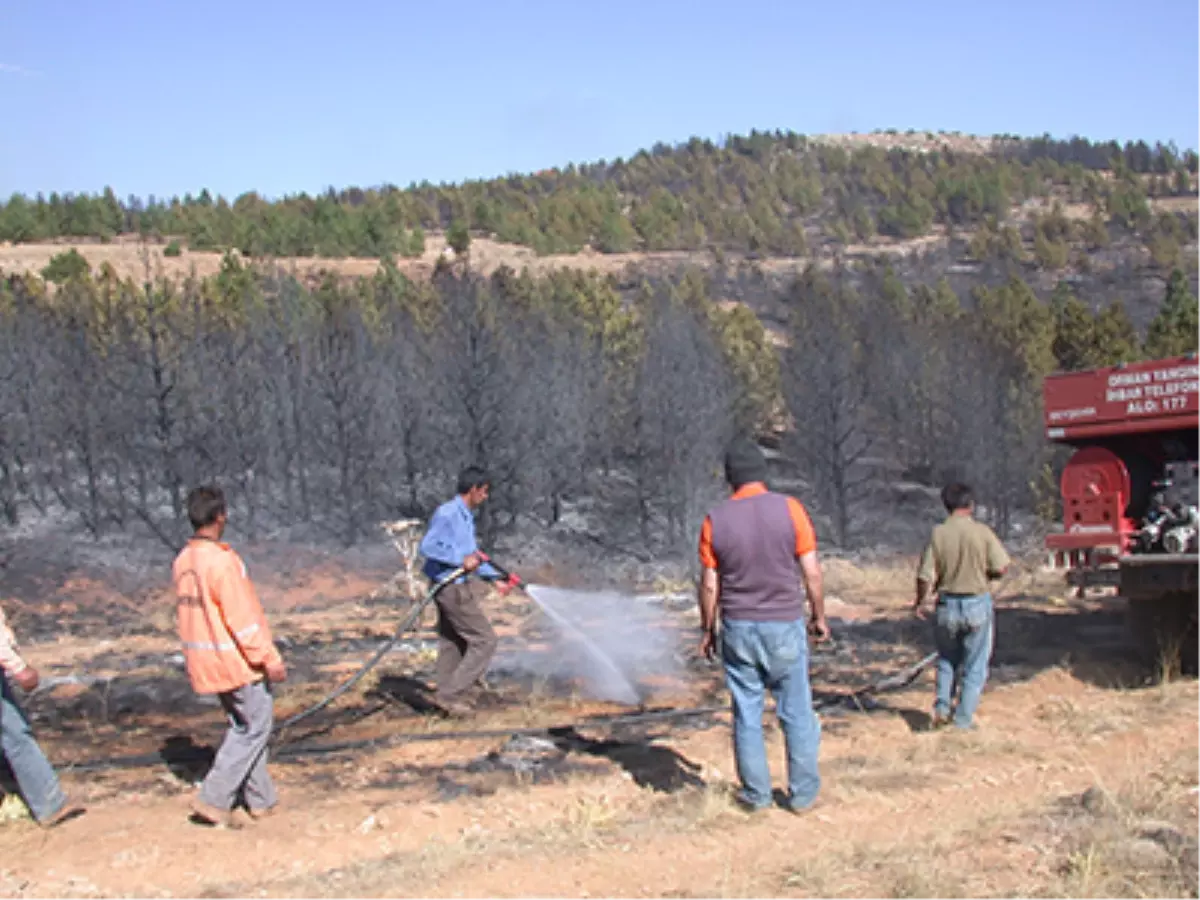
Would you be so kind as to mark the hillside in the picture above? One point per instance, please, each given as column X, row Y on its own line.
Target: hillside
column 767, row 194
column 1112, row 221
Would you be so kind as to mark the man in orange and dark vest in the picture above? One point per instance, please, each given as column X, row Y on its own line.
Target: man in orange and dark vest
column 758, row 553
column 229, row 651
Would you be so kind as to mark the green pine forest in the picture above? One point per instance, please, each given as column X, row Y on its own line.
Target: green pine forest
column 770, row 193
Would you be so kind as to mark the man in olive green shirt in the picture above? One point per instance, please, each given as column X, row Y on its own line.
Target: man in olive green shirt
column 962, row 556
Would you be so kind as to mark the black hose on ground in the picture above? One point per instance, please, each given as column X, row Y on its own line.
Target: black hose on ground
column 292, row 751
column 891, row 682
column 405, row 625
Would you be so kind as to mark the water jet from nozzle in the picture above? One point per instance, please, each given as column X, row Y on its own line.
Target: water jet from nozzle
column 607, row 679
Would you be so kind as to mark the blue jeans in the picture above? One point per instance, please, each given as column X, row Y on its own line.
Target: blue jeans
column 35, row 777
column 762, row 656
column 963, row 629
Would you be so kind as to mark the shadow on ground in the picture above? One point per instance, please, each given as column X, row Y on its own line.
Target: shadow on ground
column 650, row 765
column 1090, row 638
column 406, row 691
column 1087, row 638
column 187, row 760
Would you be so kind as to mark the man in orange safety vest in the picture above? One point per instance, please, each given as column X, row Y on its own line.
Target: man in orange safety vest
column 229, row 652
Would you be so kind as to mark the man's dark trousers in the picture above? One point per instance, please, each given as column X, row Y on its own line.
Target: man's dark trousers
column 466, row 641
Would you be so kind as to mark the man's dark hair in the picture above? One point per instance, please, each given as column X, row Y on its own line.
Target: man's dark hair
column 472, row 477
column 744, row 463
column 204, row 505
column 956, row 496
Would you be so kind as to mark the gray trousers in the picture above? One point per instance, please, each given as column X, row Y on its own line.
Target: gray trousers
column 34, row 775
column 466, row 641
column 239, row 771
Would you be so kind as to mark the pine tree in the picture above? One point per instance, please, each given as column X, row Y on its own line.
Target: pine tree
column 458, row 237
column 64, row 267
column 1114, row 338
column 1173, row 331
column 615, row 234
column 1014, row 334
column 1074, row 330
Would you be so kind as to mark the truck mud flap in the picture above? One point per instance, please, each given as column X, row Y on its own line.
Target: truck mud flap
column 1155, row 574
column 1109, row 576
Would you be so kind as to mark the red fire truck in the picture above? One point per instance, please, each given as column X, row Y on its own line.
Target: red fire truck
column 1129, row 491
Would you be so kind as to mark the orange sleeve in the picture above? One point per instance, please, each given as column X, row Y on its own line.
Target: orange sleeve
column 806, row 538
column 708, row 559
column 244, row 616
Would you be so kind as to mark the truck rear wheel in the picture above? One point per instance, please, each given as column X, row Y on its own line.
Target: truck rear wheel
column 1164, row 631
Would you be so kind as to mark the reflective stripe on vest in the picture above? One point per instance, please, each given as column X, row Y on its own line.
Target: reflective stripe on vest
column 224, row 646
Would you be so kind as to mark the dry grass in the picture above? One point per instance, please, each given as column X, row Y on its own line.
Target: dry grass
column 699, row 809
column 883, row 584
column 587, row 817
column 1011, row 845
column 1138, row 840
column 13, row 809
column 594, row 819
column 1139, row 843
column 905, row 868
column 951, row 745
column 1065, row 716
column 130, row 258
column 991, row 813
column 1119, row 709
column 1175, row 204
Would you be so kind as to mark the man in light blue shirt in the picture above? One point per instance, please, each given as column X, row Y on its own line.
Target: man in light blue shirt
column 466, row 639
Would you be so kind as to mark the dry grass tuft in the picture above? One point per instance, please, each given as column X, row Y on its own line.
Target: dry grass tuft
column 890, row 579
column 13, row 809
column 1138, row 840
column 951, row 745
column 589, row 815
column 1065, row 716
column 698, row 808
column 902, row 869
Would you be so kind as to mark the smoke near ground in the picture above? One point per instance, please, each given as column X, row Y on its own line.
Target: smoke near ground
column 613, row 646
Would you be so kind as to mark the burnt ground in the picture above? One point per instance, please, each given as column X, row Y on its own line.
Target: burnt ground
column 127, row 695
column 550, row 798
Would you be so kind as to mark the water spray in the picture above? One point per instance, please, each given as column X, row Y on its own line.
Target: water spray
column 627, row 692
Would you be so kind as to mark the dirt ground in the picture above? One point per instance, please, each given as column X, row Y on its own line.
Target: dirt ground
column 1081, row 781
column 131, row 258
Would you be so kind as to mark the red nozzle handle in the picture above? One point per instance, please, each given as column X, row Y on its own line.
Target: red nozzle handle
column 512, row 577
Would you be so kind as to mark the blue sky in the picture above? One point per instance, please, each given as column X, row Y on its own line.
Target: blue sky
column 168, row 97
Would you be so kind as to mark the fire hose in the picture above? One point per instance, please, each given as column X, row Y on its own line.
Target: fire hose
column 406, row 624
column 893, row 682
column 410, row 620
column 282, row 749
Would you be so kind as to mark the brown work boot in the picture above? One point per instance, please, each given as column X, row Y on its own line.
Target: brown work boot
column 456, row 709
column 210, row 814
column 265, row 812
column 66, row 813
column 485, row 696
